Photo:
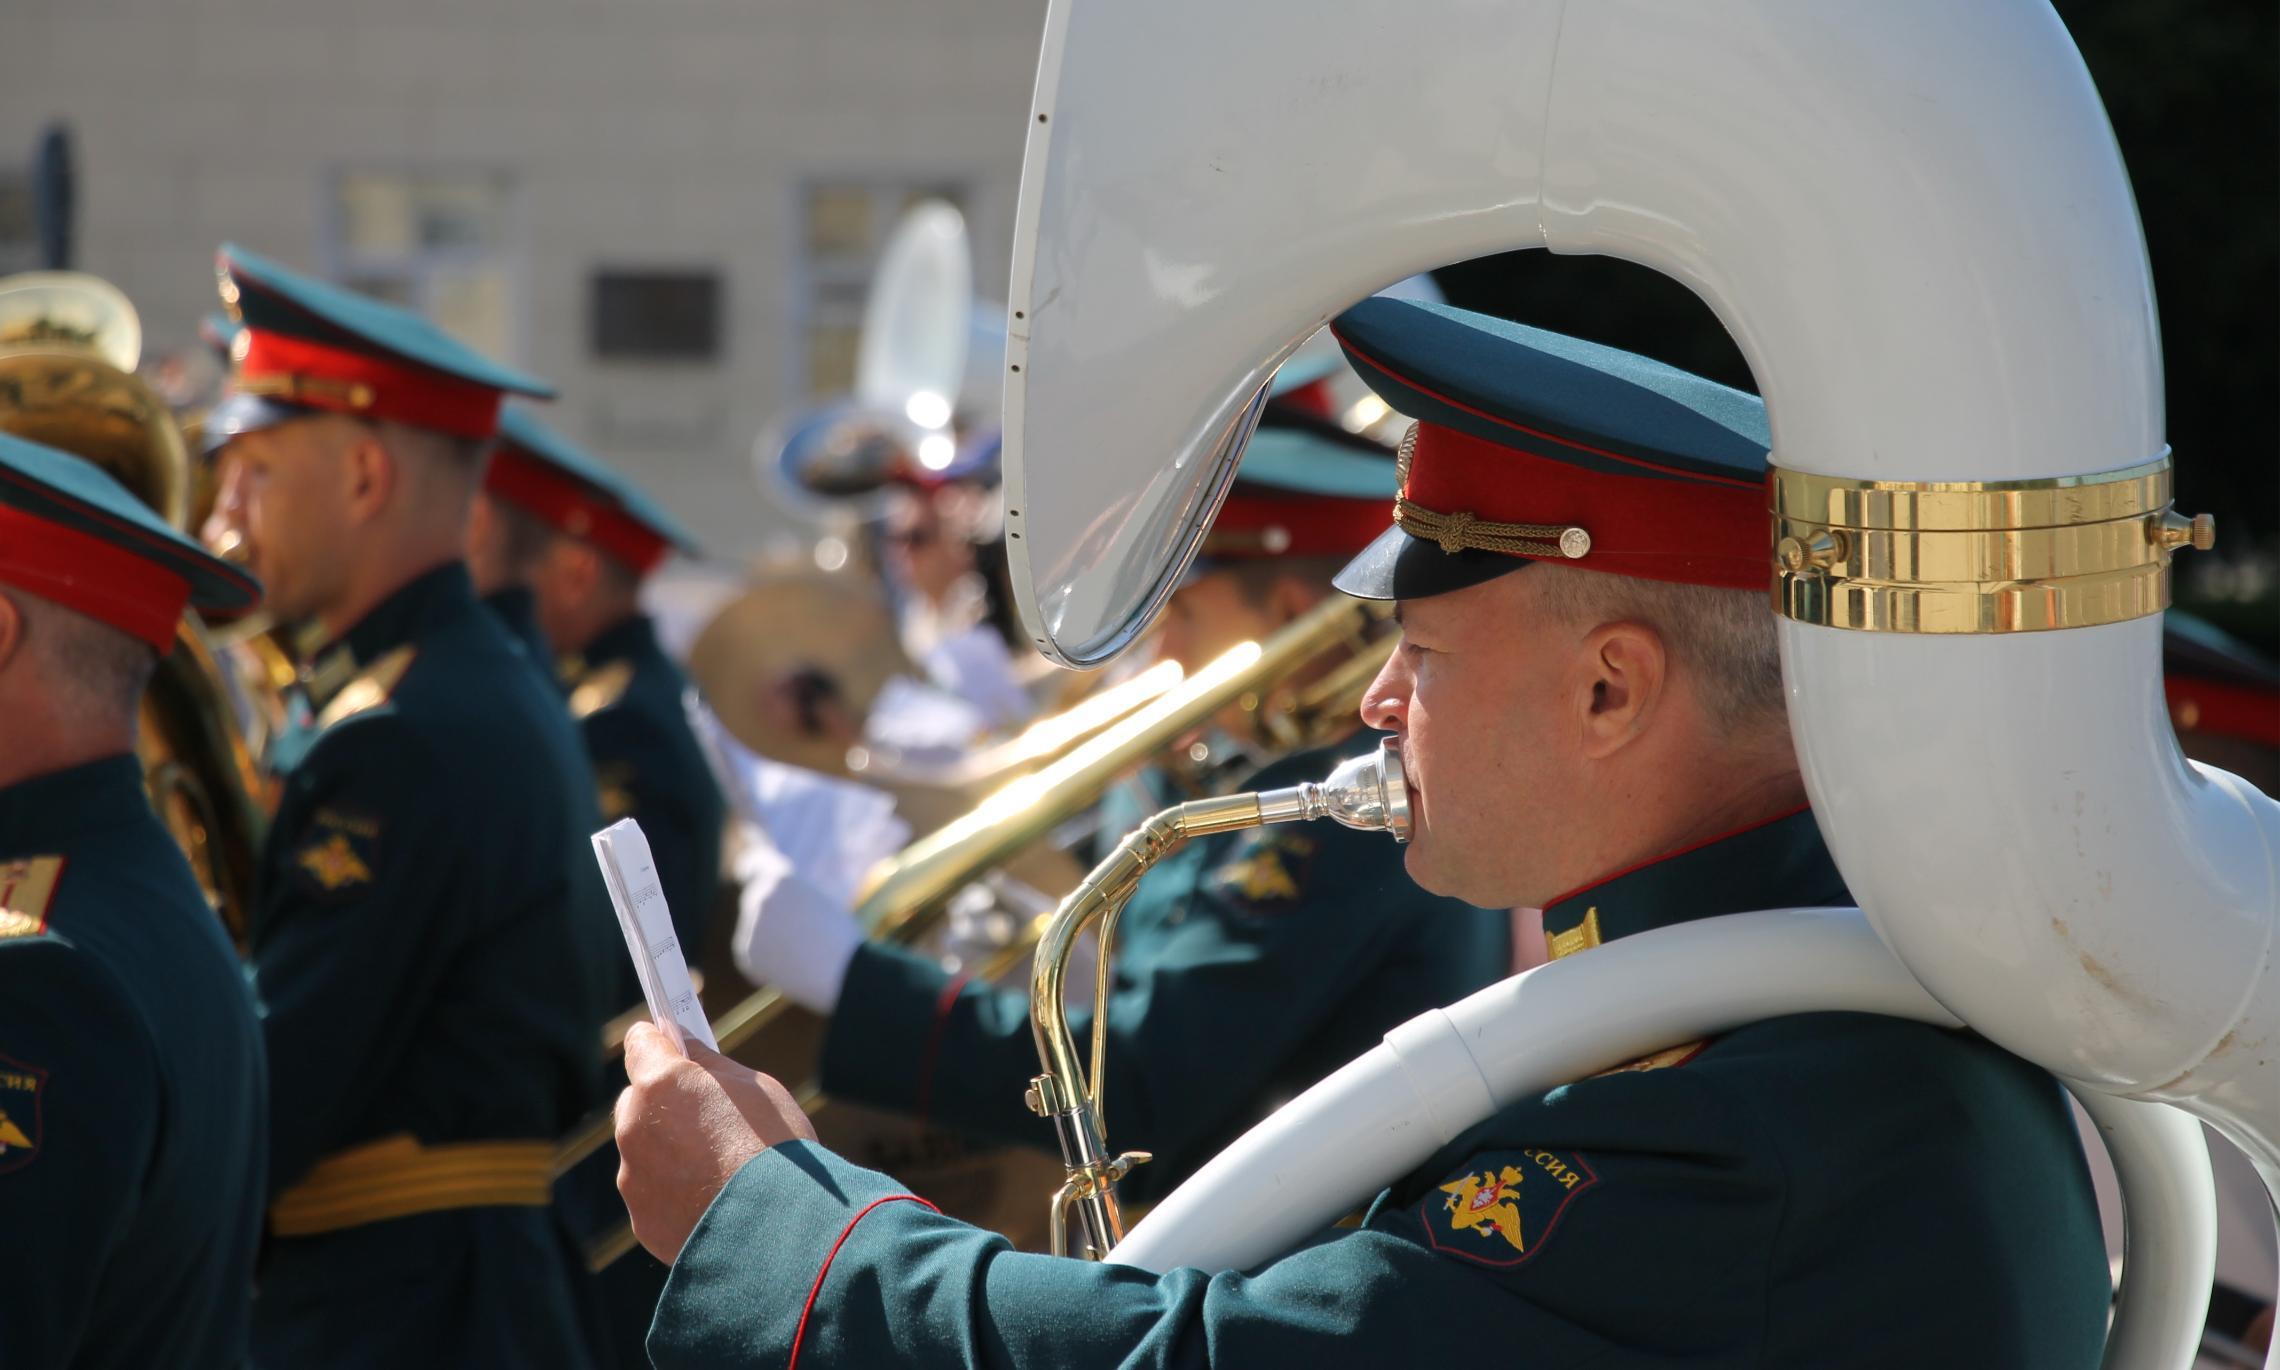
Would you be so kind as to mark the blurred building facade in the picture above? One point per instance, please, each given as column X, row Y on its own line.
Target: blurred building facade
column 670, row 208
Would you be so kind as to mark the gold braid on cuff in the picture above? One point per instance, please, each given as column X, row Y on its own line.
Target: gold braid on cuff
column 1463, row 531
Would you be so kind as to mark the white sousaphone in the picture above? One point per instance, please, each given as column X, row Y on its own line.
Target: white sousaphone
column 926, row 365
column 1914, row 221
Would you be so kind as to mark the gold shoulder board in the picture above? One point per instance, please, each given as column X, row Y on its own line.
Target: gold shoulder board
column 371, row 687
column 27, row 888
column 600, row 689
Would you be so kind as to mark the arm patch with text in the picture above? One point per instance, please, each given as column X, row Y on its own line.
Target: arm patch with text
column 1502, row 1211
column 22, row 1086
column 339, row 853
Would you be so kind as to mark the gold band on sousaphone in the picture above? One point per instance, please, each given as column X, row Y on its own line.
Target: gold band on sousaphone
column 69, row 344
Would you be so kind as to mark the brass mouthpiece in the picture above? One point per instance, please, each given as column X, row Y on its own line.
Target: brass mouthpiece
column 1367, row 792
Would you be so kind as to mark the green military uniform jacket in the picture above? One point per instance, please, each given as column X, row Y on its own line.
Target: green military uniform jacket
column 133, row 1094
column 1816, row 1191
column 1248, row 966
column 428, row 978
column 517, row 611
column 626, row 695
column 616, row 987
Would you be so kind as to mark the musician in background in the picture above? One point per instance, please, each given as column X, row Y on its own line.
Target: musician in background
column 929, row 539
column 560, row 547
column 1603, row 737
column 427, row 982
column 133, row 1093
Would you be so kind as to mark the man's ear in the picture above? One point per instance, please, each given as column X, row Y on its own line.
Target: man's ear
column 1626, row 670
column 371, row 473
column 11, row 629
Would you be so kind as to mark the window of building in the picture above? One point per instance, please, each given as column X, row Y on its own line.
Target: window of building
column 843, row 226
column 436, row 240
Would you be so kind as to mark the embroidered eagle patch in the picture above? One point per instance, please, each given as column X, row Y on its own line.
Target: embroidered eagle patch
column 334, row 864
column 21, row 1086
column 1268, row 871
column 1502, row 1214
column 340, row 852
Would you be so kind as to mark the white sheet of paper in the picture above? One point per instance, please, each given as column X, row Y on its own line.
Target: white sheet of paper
column 631, row 874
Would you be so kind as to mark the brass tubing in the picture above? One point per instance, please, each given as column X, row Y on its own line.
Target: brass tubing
column 1049, row 739
column 930, row 870
column 1066, row 1093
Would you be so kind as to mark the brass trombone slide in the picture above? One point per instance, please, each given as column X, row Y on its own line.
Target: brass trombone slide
column 918, row 882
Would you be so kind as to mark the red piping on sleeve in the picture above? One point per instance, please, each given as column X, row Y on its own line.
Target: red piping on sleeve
column 922, row 1102
column 808, row 1308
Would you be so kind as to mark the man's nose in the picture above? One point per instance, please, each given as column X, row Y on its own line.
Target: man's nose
column 1385, row 704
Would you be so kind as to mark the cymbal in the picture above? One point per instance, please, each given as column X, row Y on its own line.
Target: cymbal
column 764, row 659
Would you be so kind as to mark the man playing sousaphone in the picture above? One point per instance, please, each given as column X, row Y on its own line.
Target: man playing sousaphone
column 1247, row 966
column 1603, row 737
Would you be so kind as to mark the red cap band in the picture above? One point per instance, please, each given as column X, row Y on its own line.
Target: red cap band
column 1315, row 397
column 2228, row 710
column 360, row 383
column 572, row 506
column 1293, row 525
column 1696, row 532
column 92, row 576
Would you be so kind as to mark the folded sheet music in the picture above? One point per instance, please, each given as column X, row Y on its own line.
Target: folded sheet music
column 631, row 874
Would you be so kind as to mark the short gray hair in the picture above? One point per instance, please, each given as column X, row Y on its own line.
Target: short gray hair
column 1724, row 641
column 101, row 670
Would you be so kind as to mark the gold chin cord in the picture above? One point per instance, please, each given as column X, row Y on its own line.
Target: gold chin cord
column 1369, row 793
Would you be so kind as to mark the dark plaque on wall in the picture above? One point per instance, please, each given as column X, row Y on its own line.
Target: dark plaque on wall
column 656, row 315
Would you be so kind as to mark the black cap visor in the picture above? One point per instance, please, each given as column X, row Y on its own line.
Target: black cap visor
column 1398, row 566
